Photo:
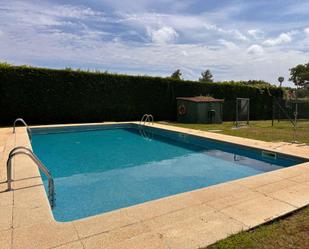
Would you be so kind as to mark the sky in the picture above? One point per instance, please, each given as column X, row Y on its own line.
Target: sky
column 235, row 39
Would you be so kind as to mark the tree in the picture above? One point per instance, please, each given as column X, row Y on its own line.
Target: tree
column 206, row 76
column 300, row 75
column 176, row 75
column 280, row 79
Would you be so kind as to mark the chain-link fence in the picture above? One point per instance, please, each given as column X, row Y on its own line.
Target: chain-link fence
column 293, row 112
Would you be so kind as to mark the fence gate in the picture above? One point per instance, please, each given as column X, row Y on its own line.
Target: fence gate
column 242, row 111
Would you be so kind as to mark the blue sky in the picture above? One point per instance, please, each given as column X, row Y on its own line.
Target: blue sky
column 235, row 39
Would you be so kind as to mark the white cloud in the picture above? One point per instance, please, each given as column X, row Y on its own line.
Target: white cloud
column 233, row 32
column 185, row 53
column 255, row 49
column 281, row 39
column 163, row 35
column 306, row 30
column 255, row 33
column 51, row 34
column 239, row 35
column 46, row 14
column 228, row 44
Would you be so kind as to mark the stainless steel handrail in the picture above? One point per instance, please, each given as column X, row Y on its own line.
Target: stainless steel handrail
column 25, row 124
column 150, row 119
column 143, row 118
column 29, row 153
column 146, row 118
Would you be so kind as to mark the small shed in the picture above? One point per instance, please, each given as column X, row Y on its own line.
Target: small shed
column 199, row 109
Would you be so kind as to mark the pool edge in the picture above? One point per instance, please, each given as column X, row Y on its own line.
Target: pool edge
column 96, row 228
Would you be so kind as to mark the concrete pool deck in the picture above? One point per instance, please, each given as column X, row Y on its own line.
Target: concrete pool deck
column 188, row 220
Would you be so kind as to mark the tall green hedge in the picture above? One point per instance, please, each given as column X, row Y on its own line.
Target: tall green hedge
column 45, row 96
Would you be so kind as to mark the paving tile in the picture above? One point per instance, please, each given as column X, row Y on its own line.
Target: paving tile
column 24, row 217
column 3, row 187
column 162, row 206
column 5, row 217
column 291, row 172
column 258, row 211
column 170, row 219
column 6, row 198
column 24, row 168
column 219, row 191
column 31, row 197
column 303, row 178
column 142, row 241
column 297, row 195
column 5, row 239
column 256, row 181
column 149, row 241
column 233, row 199
column 72, row 245
column 44, row 235
column 102, row 223
column 200, row 231
column 276, row 186
column 116, row 236
column 27, row 182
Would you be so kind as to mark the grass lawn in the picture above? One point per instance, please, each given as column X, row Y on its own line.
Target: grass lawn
column 260, row 130
column 291, row 232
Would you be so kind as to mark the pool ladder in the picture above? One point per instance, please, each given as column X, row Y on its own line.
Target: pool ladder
column 25, row 124
column 147, row 118
column 20, row 150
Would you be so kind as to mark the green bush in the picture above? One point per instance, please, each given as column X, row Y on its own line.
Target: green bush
column 45, row 96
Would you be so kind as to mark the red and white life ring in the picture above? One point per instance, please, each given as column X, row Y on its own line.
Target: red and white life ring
column 182, row 110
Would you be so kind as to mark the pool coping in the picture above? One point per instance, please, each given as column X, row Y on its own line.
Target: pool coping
column 187, row 220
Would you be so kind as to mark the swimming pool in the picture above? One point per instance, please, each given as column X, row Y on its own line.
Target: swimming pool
column 97, row 169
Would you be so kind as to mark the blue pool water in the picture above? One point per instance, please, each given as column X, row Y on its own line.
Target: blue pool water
column 96, row 171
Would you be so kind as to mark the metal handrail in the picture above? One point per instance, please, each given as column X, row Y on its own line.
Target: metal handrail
column 25, row 124
column 143, row 118
column 147, row 118
column 29, row 153
column 150, row 119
